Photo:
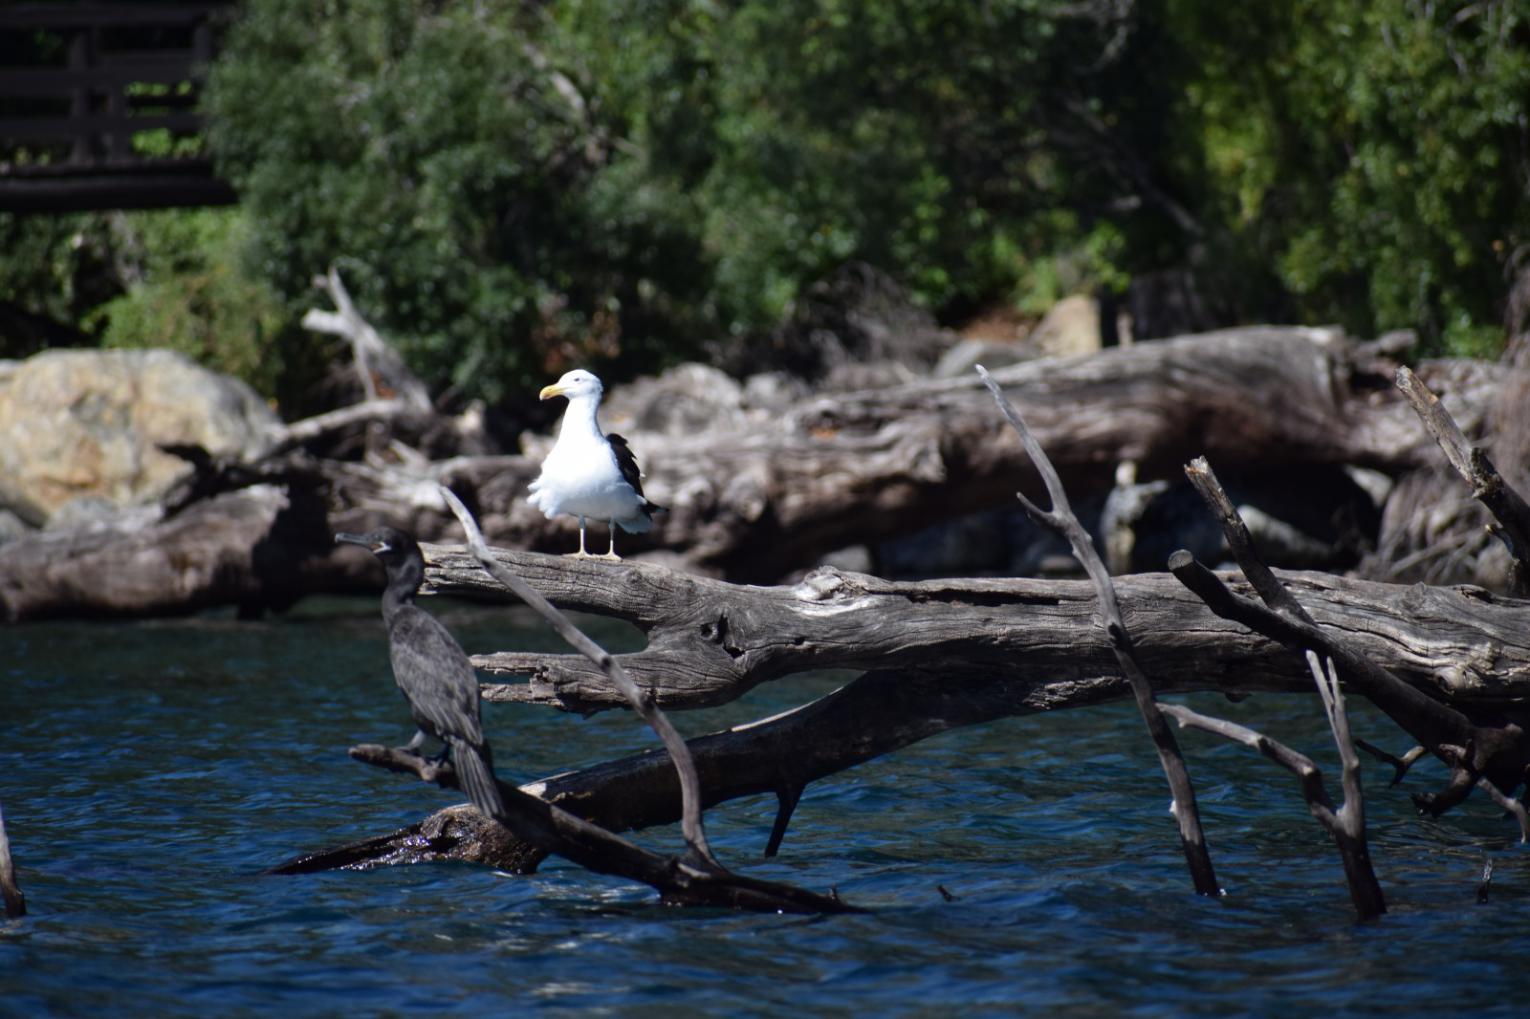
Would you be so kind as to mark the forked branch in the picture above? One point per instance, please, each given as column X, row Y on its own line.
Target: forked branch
column 696, row 878
column 1345, row 823
column 1494, row 754
column 1062, row 520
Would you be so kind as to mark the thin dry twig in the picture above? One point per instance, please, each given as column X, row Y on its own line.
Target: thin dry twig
column 1063, row 521
column 642, row 701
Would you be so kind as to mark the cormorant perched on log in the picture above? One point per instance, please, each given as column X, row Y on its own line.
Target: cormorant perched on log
column 589, row 473
column 431, row 669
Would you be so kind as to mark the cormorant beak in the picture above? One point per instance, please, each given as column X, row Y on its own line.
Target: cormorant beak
column 376, row 548
column 548, row 392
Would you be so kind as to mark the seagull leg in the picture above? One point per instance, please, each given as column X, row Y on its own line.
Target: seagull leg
column 581, row 554
column 611, row 553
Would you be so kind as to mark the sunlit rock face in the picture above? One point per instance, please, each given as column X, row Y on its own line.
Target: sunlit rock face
column 87, row 424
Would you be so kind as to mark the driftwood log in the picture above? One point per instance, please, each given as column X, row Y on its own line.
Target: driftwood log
column 759, row 500
column 709, row 641
column 944, row 655
column 756, row 503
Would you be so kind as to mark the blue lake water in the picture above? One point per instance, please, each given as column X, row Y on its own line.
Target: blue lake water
column 150, row 772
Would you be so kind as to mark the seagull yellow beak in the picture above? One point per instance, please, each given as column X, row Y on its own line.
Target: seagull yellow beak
column 548, row 392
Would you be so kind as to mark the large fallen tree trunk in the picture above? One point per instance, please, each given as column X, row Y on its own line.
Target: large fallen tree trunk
column 757, row 502
column 711, row 641
column 953, row 654
column 760, row 499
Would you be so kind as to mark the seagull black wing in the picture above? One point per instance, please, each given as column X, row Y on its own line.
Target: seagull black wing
column 627, row 463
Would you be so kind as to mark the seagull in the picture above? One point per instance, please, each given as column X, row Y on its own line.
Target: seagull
column 589, row 473
column 431, row 669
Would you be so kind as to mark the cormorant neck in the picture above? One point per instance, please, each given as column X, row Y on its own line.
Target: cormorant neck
column 579, row 418
column 403, row 581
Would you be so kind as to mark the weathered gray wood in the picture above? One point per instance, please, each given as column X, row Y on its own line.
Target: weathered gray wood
column 1062, row 520
column 637, row 699
column 1346, row 822
column 710, row 642
column 1039, row 650
column 875, row 714
column 826, row 473
column 1471, row 462
column 849, row 468
column 243, row 548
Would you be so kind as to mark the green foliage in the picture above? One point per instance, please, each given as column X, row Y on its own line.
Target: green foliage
column 511, row 188
column 477, row 211
column 190, row 295
column 55, row 267
column 1377, row 155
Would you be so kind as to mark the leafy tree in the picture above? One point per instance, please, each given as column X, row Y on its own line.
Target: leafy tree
column 188, row 292
column 473, row 193
column 1376, row 155
column 512, row 188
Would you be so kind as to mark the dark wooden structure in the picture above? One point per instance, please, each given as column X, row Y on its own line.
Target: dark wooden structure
column 98, row 105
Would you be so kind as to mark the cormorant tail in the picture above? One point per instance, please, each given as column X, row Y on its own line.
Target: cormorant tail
column 475, row 774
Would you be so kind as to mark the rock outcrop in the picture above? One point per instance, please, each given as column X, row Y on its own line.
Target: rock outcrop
column 90, row 423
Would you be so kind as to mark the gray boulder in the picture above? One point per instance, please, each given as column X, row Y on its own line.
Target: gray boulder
column 88, row 424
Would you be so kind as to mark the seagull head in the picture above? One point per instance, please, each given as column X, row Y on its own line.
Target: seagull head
column 573, row 385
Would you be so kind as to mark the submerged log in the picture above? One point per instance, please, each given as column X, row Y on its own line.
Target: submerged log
column 875, row 714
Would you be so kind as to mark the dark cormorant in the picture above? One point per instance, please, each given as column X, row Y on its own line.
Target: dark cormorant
column 431, row 668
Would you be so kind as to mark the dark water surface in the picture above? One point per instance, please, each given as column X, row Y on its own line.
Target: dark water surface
column 150, row 772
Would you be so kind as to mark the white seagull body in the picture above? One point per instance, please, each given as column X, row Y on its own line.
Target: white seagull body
column 588, row 473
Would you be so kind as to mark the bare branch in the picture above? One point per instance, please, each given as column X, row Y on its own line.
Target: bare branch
column 1400, row 765
column 1295, row 762
column 379, row 368
column 1494, row 754
column 320, row 425
column 1062, row 520
column 1471, row 462
column 641, row 701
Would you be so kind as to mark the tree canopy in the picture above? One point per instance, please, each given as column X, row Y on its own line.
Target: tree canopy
column 513, row 188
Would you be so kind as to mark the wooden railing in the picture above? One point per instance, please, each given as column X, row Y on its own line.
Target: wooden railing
column 98, row 105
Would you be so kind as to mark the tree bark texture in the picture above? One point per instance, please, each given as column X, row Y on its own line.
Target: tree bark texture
column 709, row 641
column 761, row 499
column 943, row 655
column 850, row 468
